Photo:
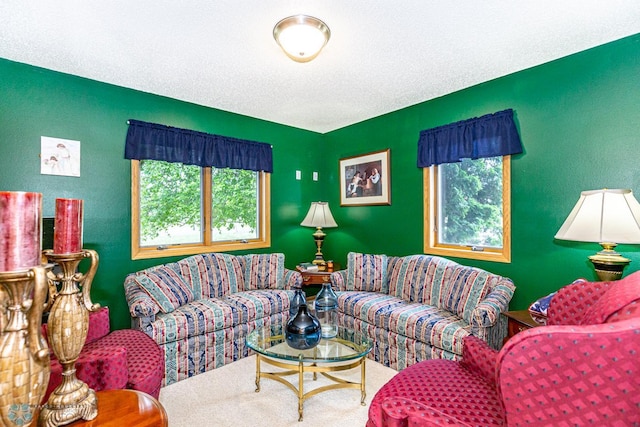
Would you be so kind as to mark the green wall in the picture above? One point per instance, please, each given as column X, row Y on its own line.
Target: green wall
column 579, row 119
column 36, row 102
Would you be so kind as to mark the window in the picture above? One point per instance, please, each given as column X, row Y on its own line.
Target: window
column 182, row 209
column 467, row 209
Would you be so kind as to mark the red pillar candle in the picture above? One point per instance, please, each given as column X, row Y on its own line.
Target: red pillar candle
column 67, row 231
column 20, row 230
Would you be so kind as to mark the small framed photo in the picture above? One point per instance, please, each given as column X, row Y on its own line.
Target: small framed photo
column 365, row 179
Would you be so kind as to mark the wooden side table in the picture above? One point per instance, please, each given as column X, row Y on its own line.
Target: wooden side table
column 519, row 320
column 118, row 408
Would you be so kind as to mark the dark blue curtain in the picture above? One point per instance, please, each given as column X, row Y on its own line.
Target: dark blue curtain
column 487, row 136
column 152, row 141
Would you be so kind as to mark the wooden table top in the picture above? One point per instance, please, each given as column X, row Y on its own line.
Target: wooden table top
column 130, row 408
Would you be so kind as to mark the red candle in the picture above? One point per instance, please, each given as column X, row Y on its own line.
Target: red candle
column 20, row 230
column 67, row 230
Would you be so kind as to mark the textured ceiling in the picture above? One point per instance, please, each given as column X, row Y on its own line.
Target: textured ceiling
column 382, row 56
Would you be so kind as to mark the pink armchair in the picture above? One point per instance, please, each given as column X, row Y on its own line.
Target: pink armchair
column 110, row 360
column 583, row 368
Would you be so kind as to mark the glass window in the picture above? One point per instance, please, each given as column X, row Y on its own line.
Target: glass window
column 180, row 209
column 467, row 209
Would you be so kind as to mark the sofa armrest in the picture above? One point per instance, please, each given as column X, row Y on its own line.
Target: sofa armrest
column 487, row 313
column 479, row 358
column 292, row 279
column 339, row 280
column 401, row 412
column 140, row 303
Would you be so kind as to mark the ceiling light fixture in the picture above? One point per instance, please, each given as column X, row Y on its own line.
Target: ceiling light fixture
column 301, row 37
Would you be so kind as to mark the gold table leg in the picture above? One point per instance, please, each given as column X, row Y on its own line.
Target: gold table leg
column 299, row 368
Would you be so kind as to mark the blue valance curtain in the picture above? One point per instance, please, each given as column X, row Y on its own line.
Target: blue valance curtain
column 487, row 136
column 152, row 141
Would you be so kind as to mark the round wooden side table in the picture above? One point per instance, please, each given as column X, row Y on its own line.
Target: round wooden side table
column 131, row 408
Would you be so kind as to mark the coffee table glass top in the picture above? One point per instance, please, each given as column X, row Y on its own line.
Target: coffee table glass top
column 347, row 345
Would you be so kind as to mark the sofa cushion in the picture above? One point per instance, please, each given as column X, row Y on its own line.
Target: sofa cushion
column 466, row 288
column 254, row 305
column 367, row 273
column 419, row 278
column 421, row 322
column 196, row 318
column 263, row 271
column 212, row 275
column 165, row 286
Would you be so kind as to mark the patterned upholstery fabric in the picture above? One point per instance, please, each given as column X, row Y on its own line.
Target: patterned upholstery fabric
column 166, row 287
column 566, row 374
column 262, row 271
column 232, row 295
column 212, row 275
column 430, row 305
column 114, row 359
column 367, row 273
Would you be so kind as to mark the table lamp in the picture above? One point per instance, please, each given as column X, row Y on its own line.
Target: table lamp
column 607, row 217
column 319, row 216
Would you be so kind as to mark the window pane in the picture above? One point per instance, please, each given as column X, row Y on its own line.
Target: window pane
column 234, row 205
column 170, row 203
column 470, row 203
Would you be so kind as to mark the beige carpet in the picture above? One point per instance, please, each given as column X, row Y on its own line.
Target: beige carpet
column 226, row 397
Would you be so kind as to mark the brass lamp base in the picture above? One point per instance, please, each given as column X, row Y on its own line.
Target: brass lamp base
column 318, row 236
column 608, row 263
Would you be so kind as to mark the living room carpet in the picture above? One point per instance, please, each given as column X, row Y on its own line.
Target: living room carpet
column 226, row 397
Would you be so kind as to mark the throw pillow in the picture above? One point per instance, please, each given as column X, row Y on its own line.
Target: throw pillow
column 212, row 275
column 467, row 287
column 367, row 272
column 263, row 271
column 165, row 287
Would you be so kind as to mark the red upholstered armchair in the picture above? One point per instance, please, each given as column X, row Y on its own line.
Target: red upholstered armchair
column 583, row 368
column 120, row 359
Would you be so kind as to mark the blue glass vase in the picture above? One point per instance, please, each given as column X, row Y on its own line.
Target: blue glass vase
column 326, row 304
column 299, row 298
column 302, row 332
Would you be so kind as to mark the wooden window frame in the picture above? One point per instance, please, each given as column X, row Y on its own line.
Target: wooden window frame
column 264, row 216
column 431, row 244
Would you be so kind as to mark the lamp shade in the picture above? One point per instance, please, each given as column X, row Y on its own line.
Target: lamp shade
column 603, row 216
column 319, row 215
column 302, row 37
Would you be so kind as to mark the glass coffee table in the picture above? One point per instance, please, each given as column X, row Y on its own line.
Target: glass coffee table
column 347, row 350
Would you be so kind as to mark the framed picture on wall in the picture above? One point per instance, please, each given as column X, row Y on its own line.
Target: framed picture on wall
column 365, row 179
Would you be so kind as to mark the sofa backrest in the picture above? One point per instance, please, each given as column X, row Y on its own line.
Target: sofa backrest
column 263, row 271
column 440, row 282
column 212, row 275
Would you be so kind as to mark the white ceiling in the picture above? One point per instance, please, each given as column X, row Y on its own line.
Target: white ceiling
column 382, row 56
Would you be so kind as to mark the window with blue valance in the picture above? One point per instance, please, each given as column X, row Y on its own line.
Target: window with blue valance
column 491, row 135
column 150, row 141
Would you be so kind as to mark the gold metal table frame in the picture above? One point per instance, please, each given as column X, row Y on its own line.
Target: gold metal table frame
column 347, row 351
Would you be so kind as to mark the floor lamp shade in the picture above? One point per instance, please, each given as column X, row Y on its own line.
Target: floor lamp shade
column 319, row 216
column 608, row 217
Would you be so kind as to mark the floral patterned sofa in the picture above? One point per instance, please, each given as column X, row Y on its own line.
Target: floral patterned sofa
column 200, row 309
column 420, row 307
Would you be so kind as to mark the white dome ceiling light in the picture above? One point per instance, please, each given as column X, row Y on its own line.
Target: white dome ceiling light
column 301, row 37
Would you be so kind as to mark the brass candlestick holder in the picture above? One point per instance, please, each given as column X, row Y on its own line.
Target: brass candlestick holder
column 24, row 356
column 67, row 331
